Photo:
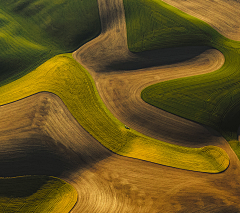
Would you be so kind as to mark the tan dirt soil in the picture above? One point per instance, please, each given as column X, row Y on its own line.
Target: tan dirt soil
column 120, row 76
column 40, row 136
column 220, row 14
column 120, row 79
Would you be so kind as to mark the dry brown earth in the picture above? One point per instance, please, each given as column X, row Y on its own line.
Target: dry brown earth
column 121, row 94
column 39, row 136
column 220, row 14
column 119, row 78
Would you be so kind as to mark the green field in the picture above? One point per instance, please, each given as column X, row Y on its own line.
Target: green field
column 63, row 76
column 36, row 194
column 33, row 31
column 152, row 24
column 212, row 99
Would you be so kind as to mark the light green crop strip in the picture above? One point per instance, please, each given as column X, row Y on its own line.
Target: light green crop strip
column 38, row 194
column 63, row 76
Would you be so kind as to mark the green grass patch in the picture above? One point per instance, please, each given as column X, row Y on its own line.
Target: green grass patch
column 66, row 78
column 212, row 99
column 36, row 194
column 152, row 24
column 33, row 31
column 235, row 145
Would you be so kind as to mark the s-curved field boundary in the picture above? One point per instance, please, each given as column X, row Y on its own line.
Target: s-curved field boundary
column 211, row 99
column 100, row 54
column 63, row 76
column 119, row 184
column 44, row 138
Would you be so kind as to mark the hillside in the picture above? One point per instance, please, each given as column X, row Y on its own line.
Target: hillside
column 34, row 31
column 75, row 132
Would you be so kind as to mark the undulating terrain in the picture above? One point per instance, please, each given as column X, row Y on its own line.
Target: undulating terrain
column 119, row 106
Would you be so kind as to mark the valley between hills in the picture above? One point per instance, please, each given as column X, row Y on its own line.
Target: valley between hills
column 74, row 123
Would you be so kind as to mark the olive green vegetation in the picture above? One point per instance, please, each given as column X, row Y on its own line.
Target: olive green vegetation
column 212, row 99
column 36, row 194
column 235, row 145
column 63, row 76
column 152, row 24
column 33, row 31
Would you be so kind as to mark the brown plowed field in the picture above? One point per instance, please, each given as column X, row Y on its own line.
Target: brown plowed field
column 120, row 76
column 220, row 14
column 120, row 79
column 39, row 136
column 121, row 94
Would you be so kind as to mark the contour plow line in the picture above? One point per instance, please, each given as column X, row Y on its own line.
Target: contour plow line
column 103, row 56
column 63, row 76
column 104, row 180
column 44, row 138
column 221, row 15
column 100, row 180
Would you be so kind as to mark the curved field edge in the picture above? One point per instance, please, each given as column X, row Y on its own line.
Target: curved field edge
column 34, row 31
column 153, row 24
column 235, row 145
column 36, row 194
column 63, row 76
column 211, row 99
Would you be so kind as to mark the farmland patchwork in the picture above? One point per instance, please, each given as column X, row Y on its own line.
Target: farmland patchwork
column 211, row 99
column 38, row 36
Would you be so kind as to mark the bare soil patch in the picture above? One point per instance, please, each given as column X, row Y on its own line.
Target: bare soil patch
column 40, row 127
column 221, row 15
column 38, row 135
column 121, row 94
column 140, row 186
column 120, row 76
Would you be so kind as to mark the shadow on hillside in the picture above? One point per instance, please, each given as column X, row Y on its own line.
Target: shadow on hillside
column 158, row 57
column 21, row 186
column 41, row 155
column 28, row 146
